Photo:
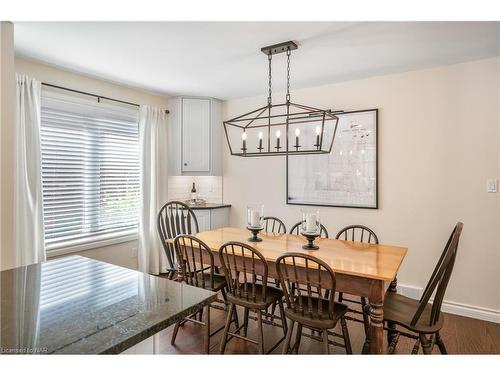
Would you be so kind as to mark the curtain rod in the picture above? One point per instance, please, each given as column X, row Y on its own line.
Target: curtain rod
column 94, row 95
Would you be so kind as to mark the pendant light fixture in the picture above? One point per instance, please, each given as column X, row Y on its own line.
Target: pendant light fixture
column 281, row 129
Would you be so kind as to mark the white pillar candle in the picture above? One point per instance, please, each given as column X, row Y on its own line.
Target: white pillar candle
column 311, row 223
column 255, row 219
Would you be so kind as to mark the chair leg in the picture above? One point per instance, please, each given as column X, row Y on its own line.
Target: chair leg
column 260, row 332
column 298, row 336
column 286, row 345
column 366, row 319
column 440, row 344
column 235, row 318
column 229, row 316
column 224, row 297
column 345, row 333
column 273, row 310
column 200, row 316
column 426, row 344
column 283, row 317
column 366, row 345
column 416, row 347
column 392, row 345
column 174, row 334
column 326, row 344
column 245, row 321
column 206, row 338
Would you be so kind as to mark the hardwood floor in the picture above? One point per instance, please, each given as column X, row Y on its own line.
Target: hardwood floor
column 461, row 335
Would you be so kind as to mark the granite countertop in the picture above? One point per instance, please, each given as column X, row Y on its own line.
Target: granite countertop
column 209, row 206
column 78, row 305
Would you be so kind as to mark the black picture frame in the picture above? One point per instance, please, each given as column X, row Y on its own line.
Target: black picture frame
column 376, row 171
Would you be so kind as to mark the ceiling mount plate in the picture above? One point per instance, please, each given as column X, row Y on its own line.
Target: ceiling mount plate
column 279, row 48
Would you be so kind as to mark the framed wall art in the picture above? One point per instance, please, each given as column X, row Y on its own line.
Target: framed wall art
column 347, row 177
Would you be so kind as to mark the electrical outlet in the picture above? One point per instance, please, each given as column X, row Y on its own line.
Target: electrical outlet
column 492, row 185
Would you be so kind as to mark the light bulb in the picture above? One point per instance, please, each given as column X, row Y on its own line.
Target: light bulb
column 297, row 132
column 278, row 133
column 244, row 136
column 318, row 130
column 260, row 135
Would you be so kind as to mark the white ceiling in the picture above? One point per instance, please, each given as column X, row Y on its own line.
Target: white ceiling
column 223, row 60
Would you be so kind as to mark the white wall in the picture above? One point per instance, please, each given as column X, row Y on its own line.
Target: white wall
column 7, row 118
column 124, row 254
column 439, row 138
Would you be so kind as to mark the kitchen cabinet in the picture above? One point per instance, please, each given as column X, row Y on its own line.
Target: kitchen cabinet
column 195, row 137
column 212, row 218
column 203, row 217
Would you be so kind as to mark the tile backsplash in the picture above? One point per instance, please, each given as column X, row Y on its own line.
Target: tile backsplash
column 208, row 188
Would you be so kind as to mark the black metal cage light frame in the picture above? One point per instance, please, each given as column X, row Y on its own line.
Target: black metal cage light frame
column 252, row 134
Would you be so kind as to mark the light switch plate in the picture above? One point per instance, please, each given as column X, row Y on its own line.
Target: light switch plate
column 492, row 185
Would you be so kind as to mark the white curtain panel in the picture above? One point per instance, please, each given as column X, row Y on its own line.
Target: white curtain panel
column 153, row 141
column 28, row 205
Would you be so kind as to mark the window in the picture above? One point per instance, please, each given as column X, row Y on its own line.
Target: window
column 90, row 169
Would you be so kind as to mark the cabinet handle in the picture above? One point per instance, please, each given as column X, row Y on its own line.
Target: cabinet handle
column 185, row 164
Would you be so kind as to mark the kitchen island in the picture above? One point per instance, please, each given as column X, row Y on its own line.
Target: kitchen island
column 77, row 305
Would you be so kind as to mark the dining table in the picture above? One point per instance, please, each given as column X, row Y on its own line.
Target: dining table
column 361, row 269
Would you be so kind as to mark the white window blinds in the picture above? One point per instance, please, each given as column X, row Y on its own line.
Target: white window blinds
column 90, row 169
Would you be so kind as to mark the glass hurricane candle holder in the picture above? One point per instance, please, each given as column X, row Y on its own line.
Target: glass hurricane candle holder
column 310, row 227
column 255, row 220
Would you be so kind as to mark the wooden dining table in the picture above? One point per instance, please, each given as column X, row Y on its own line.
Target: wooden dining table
column 361, row 269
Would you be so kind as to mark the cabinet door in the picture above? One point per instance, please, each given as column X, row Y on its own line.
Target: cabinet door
column 195, row 135
column 203, row 217
column 219, row 218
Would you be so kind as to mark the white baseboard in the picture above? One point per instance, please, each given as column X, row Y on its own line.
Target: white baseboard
column 470, row 311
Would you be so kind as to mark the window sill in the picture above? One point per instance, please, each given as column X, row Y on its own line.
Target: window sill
column 74, row 246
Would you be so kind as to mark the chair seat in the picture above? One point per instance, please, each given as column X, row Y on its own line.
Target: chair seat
column 339, row 309
column 219, row 281
column 400, row 310
column 272, row 295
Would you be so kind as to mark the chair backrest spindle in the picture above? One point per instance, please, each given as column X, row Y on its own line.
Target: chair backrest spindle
column 241, row 261
column 175, row 218
column 196, row 261
column 358, row 233
column 298, row 269
column 274, row 225
column 440, row 277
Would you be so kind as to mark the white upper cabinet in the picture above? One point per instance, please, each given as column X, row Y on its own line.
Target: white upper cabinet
column 195, row 137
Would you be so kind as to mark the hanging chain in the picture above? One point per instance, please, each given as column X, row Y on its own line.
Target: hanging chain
column 269, row 98
column 288, row 53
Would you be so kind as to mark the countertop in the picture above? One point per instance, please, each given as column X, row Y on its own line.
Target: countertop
column 78, row 305
column 209, row 206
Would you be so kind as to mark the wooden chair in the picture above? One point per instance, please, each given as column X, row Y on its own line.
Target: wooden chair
column 197, row 269
column 358, row 233
column 306, row 309
column 296, row 230
column 246, row 273
column 274, row 225
column 175, row 218
column 421, row 317
column 323, row 234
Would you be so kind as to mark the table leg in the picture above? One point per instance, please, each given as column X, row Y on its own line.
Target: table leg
column 391, row 333
column 376, row 336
